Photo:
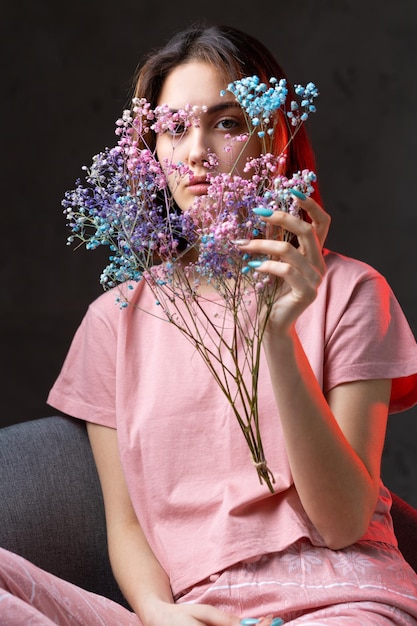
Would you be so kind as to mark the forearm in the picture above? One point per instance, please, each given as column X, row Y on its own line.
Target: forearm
column 142, row 580
column 146, row 586
column 336, row 488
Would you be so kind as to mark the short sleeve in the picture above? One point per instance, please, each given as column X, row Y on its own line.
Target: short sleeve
column 372, row 339
column 85, row 387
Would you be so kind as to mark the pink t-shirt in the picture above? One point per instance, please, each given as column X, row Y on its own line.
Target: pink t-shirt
column 187, row 465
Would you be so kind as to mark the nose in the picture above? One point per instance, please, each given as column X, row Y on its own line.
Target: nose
column 198, row 147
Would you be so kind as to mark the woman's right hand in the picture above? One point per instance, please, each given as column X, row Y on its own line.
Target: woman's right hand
column 300, row 268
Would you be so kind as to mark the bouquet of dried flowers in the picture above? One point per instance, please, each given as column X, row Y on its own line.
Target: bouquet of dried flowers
column 125, row 204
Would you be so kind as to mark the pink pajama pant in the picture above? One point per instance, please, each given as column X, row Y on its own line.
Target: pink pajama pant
column 29, row 596
column 306, row 586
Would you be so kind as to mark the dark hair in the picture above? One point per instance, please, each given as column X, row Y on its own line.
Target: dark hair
column 237, row 55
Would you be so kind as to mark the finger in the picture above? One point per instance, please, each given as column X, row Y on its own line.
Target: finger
column 301, row 289
column 281, row 257
column 269, row 620
column 320, row 219
column 309, row 242
column 210, row 616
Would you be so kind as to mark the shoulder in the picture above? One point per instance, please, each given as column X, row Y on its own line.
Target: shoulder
column 111, row 311
column 347, row 278
column 110, row 303
column 353, row 293
column 340, row 266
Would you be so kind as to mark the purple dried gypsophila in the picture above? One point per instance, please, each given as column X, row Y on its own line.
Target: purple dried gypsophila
column 122, row 210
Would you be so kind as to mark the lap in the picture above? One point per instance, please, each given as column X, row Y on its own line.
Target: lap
column 364, row 584
column 306, row 586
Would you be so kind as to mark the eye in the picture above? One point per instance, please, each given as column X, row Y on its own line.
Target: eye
column 177, row 129
column 229, row 124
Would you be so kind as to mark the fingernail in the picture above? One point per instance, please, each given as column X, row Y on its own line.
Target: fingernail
column 240, row 242
column 260, row 210
column 249, row 621
column 298, row 194
column 255, row 264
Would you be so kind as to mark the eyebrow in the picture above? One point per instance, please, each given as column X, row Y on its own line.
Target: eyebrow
column 221, row 106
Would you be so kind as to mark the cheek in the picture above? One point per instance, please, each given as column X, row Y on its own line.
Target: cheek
column 161, row 149
column 167, row 157
column 254, row 147
column 241, row 154
column 167, row 152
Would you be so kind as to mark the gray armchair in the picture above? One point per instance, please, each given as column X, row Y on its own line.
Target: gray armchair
column 51, row 508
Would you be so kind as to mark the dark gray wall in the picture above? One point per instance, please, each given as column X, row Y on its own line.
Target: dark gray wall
column 66, row 75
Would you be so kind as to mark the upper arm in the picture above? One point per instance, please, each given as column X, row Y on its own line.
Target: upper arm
column 117, row 503
column 139, row 574
column 361, row 410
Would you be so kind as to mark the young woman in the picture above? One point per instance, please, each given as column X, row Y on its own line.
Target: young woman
column 194, row 538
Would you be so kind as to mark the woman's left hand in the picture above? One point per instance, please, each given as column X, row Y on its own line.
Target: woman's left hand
column 300, row 269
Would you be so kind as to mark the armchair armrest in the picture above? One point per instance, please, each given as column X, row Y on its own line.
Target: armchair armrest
column 52, row 510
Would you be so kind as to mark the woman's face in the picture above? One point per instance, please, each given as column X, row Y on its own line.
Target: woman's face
column 199, row 84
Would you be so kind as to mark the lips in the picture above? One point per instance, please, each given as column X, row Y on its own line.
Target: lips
column 198, row 185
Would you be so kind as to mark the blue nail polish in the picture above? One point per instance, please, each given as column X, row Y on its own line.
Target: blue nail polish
column 298, row 194
column 277, row 621
column 260, row 210
column 254, row 264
